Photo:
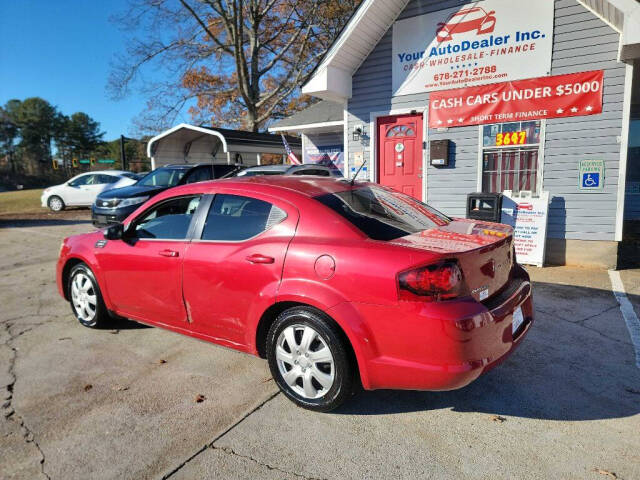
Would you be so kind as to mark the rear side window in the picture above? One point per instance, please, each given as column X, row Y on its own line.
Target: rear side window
column 107, row 178
column 221, row 170
column 383, row 214
column 234, row 218
column 201, row 174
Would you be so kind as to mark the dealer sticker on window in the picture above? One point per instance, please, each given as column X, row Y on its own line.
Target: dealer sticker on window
column 518, row 320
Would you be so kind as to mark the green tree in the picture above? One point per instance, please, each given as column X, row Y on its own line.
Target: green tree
column 38, row 122
column 8, row 136
column 82, row 133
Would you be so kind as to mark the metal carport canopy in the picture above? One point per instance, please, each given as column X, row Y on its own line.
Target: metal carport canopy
column 186, row 143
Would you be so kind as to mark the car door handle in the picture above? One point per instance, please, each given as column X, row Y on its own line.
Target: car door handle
column 258, row 258
column 168, row 253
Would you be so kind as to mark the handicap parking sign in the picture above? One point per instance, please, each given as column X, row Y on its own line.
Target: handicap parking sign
column 590, row 180
column 591, row 175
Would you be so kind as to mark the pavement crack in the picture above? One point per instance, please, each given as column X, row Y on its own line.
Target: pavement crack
column 210, row 444
column 231, row 451
column 580, row 323
column 8, row 411
column 575, row 322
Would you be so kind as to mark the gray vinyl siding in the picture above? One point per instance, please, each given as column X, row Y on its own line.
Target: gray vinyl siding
column 574, row 214
column 581, row 42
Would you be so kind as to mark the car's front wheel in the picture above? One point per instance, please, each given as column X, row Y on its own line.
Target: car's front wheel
column 55, row 203
column 309, row 359
column 85, row 298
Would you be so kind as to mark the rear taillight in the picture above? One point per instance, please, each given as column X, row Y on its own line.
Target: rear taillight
column 431, row 283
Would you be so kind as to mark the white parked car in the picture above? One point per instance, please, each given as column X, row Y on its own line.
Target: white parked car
column 82, row 190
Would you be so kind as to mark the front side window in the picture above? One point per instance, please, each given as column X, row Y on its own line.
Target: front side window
column 383, row 214
column 169, row 220
column 82, row 180
column 163, row 177
column 234, row 218
column 510, row 154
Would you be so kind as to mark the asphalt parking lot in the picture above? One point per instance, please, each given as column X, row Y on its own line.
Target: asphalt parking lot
column 137, row 402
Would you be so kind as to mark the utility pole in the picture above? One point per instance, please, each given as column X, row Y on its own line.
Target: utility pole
column 123, row 155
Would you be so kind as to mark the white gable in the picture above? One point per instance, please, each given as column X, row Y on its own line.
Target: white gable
column 332, row 78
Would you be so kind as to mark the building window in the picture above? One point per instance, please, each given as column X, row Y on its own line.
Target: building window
column 510, row 153
column 402, row 131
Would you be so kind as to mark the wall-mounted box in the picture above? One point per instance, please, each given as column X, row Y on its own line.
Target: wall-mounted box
column 439, row 153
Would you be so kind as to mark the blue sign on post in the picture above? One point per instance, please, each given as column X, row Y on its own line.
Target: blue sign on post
column 591, row 175
column 590, row 180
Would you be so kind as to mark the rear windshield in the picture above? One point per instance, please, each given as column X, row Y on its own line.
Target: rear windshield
column 383, row 214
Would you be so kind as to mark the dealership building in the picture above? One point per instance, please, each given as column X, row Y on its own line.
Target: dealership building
column 537, row 100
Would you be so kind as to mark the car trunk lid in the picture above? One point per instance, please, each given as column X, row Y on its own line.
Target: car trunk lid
column 484, row 252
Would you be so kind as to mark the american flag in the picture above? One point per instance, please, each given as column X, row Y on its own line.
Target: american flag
column 292, row 156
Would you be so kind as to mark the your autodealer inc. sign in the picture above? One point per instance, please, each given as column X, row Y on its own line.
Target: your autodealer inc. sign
column 484, row 42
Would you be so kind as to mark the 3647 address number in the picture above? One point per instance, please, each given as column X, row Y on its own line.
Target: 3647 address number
column 511, row 138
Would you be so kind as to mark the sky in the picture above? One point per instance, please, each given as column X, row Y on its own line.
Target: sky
column 61, row 50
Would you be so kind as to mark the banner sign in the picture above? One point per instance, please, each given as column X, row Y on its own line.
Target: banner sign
column 331, row 156
column 489, row 41
column 568, row 95
column 528, row 217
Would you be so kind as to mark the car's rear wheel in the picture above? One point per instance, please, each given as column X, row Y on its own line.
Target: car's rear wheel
column 55, row 203
column 309, row 359
column 85, row 298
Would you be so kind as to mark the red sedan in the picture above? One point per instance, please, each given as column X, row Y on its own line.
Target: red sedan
column 335, row 284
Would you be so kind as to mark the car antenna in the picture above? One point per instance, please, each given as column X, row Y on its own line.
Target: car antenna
column 353, row 180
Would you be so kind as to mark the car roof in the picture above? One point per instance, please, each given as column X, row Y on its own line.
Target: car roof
column 306, row 166
column 310, row 186
column 262, row 168
column 192, row 165
column 105, row 172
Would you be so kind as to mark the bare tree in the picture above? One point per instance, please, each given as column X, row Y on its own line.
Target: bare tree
column 233, row 62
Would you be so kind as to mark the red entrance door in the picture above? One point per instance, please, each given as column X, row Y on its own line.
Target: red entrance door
column 400, row 153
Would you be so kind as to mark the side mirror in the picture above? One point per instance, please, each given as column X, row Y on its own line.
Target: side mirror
column 114, row 232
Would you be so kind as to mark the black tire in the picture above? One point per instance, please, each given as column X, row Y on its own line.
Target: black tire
column 55, row 203
column 329, row 335
column 100, row 318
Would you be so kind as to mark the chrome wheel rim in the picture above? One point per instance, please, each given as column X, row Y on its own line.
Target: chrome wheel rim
column 305, row 361
column 55, row 204
column 83, row 296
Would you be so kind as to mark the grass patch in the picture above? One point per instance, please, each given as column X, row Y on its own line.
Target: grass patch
column 21, row 201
